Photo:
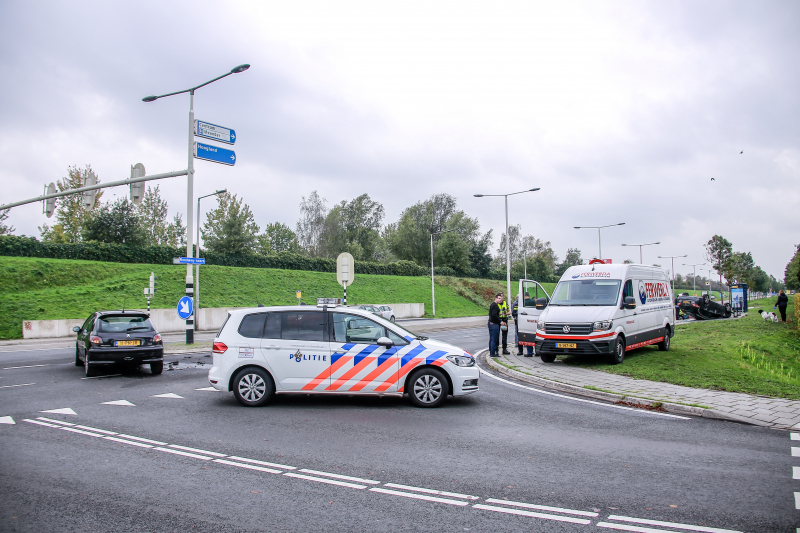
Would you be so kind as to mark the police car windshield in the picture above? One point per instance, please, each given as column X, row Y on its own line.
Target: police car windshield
column 586, row 292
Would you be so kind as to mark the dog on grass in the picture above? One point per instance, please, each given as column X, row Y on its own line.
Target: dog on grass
column 769, row 317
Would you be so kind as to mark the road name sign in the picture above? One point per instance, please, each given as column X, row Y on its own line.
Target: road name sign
column 212, row 131
column 188, row 260
column 185, row 307
column 214, row 154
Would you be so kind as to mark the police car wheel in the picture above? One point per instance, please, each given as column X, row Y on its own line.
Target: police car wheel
column 618, row 355
column 253, row 387
column 428, row 388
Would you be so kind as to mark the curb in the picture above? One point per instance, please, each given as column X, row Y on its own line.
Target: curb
column 673, row 408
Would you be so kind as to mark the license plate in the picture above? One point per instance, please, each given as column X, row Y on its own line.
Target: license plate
column 126, row 343
column 566, row 345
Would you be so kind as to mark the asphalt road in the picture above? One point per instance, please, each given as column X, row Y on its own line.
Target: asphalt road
column 508, row 458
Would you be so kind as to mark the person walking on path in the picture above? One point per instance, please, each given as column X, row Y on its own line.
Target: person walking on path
column 781, row 304
column 494, row 324
column 504, row 314
column 515, row 313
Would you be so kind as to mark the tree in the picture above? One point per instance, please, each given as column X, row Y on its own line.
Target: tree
column 5, row 229
column 527, row 249
column 231, row 227
column 152, row 211
column 116, row 223
column 452, row 251
column 277, row 237
column 352, row 227
column 791, row 275
column 176, row 232
column 572, row 258
column 70, row 214
column 741, row 268
column 718, row 252
column 312, row 219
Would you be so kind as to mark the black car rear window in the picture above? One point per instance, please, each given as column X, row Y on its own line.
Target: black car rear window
column 123, row 324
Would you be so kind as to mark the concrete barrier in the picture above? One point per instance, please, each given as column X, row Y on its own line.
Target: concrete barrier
column 167, row 321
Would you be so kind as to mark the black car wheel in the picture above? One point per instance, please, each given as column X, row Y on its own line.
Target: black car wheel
column 427, row 388
column 77, row 357
column 618, row 354
column 88, row 370
column 253, row 387
column 157, row 368
column 706, row 299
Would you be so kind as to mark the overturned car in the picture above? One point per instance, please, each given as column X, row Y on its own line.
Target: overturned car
column 702, row 307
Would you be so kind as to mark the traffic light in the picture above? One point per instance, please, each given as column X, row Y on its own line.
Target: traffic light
column 137, row 189
column 50, row 203
column 89, row 196
column 153, row 283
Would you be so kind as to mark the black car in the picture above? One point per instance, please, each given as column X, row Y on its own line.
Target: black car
column 118, row 337
column 702, row 307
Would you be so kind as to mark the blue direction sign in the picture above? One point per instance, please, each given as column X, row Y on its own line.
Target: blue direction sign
column 212, row 131
column 185, row 307
column 214, row 153
column 188, row 261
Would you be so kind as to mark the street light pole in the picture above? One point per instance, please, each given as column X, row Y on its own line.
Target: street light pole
column 508, row 239
column 197, row 254
column 190, row 186
column 672, row 258
column 598, row 228
column 640, row 249
column 433, row 290
column 694, row 274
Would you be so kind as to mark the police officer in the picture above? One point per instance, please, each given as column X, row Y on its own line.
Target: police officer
column 504, row 314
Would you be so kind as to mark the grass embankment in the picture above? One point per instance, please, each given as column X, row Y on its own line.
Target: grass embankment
column 48, row 289
column 744, row 355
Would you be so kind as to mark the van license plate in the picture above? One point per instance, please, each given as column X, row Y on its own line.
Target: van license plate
column 126, row 343
column 566, row 345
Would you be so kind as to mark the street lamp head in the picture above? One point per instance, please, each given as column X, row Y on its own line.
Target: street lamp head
column 240, row 68
column 624, row 245
column 577, row 227
column 149, row 98
column 621, row 224
column 536, row 189
column 478, row 195
column 223, row 191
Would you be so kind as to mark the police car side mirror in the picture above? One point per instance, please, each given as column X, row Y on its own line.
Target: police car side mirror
column 630, row 303
column 541, row 303
column 385, row 342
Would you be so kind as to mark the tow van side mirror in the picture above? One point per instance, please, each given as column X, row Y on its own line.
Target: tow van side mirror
column 541, row 303
column 630, row 303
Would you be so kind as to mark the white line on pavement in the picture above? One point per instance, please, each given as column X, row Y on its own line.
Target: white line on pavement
column 89, row 428
column 187, row 454
column 643, row 411
column 214, row 454
column 796, row 472
column 107, row 376
column 55, row 421
column 132, row 443
column 251, row 467
column 636, row 529
column 28, row 366
column 329, row 481
column 419, row 496
column 795, row 436
column 339, row 476
column 263, row 463
column 20, row 385
column 432, row 491
column 795, row 451
column 148, row 441
column 797, row 500
column 670, row 524
column 40, row 423
column 79, row 431
column 532, row 514
column 543, row 507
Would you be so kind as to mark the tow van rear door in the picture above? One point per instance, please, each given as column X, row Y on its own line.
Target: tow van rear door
column 527, row 314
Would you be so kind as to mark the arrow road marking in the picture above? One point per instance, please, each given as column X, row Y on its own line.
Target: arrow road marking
column 167, row 395
column 63, row 411
column 117, row 402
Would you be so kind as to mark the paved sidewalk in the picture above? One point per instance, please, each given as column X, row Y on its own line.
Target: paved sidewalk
column 758, row 410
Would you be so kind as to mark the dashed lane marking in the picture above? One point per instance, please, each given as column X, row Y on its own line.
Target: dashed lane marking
column 40, row 423
column 7, row 420
column 140, row 439
column 627, row 527
column 419, row 496
column 195, row 450
column 796, row 472
column 82, row 432
column 251, row 467
column 323, row 480
column 432, row 491
column 797, row 500
column 129, row 442
column 26, row 366
column 339, row 476
column 185, row 454
column 262, row 463
column 62, row 411
column 532, row 514
column 642, row 411
column 795, row 436
column 542, row 507
column 795, row 451
column 20, row 385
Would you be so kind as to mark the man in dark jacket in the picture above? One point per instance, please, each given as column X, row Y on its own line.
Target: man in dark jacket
column 781, row 304
column 494, row 324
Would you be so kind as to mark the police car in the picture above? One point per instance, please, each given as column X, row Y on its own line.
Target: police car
column 330, row 349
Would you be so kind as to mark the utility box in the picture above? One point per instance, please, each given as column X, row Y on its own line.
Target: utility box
column 739, row 297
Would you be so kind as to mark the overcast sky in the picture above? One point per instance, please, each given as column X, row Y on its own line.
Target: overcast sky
column 619, row 111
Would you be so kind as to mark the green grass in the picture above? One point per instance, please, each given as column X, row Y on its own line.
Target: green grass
column 745, row 355
column 48, row 289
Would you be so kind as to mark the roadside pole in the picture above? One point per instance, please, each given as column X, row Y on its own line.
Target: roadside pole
column 190, row 219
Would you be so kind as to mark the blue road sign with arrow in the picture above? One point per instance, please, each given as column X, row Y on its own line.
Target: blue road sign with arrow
column 212, row 131
column 185, row 307
column 214, row 153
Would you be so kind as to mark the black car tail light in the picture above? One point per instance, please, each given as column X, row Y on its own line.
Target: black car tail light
column 219, row 347
column 96, row 340
column 157, row 338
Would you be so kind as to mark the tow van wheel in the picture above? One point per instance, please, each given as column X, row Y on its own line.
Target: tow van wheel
column 427, row 388
column 663, row 346
column 547, row 357
column 253, row 387
column 618, row 355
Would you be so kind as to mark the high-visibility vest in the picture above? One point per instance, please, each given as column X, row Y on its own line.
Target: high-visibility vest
column 503, row 311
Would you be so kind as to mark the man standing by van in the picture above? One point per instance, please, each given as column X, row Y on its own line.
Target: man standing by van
column 494, row 324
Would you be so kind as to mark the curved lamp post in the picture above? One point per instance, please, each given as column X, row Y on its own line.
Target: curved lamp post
column 640, row 249
column 598, row 228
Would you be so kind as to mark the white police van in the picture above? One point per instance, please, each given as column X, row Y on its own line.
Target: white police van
column 329, row 349
column 599, row 309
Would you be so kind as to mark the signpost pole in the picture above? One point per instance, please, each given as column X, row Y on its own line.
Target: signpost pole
column 345, row 293
column 190, row 218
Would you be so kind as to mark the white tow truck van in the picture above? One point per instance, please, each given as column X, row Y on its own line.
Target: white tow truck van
column 600, row 309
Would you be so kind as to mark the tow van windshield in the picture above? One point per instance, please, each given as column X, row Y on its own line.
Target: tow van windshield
column 586, row 292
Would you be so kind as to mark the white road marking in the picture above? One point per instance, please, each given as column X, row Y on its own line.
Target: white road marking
column 795, row 451
column 322, row 480
column 40, row 423
column 263, row 463
column 432, row 491
column 55, row 421
column 167, row 395
column 251, row 467
column 339, row 476
column 65, row 428
column 643, row 411
column 419, row 496
column 670, row 524
column 140, row 439
column 797, row 500
column 132, row 443
column 212, row 389
column 186, row 448
column 532, row 514
column 27, row 366
column 796, row 472
column 118, row 402
column 795, row 436
column 89, row 428
column 20, row 385
column 542, row 507
column 636, row 529
column 187, row 454
column 7, row 420
column 62, row 411
column 101, row 377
